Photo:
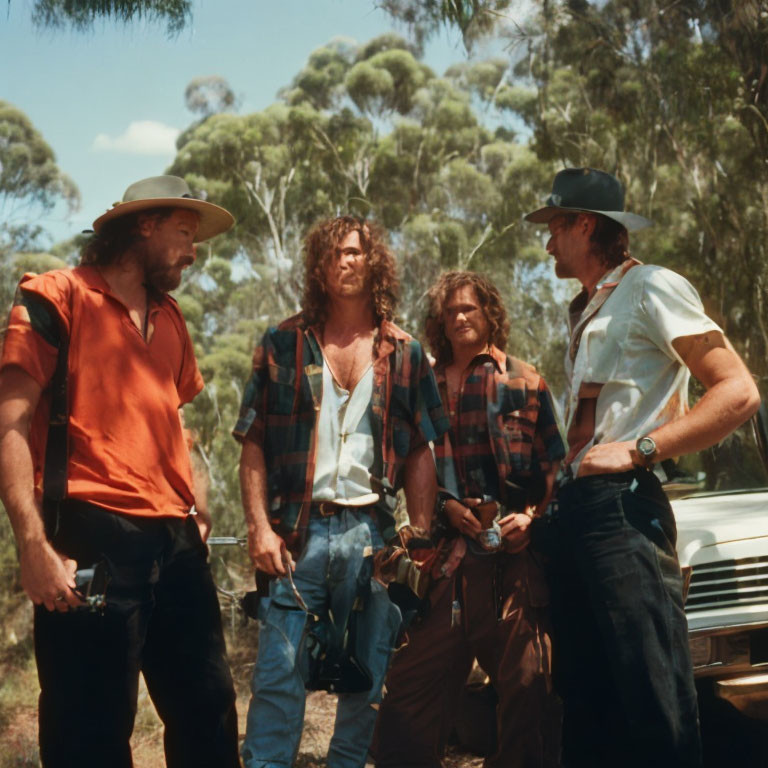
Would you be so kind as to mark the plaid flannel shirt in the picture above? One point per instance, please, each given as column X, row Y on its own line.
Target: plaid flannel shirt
column 282, row 400
column 503, row 431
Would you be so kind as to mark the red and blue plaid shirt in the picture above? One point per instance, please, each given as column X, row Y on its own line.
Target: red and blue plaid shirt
column 282, row 400
column 503, row 435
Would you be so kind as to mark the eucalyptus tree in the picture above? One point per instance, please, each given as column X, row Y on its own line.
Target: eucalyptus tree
column 31, row 184
column 673, row 98
column 369, row 130
column 83, row 14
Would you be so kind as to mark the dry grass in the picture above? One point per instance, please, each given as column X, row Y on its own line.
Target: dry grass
column 19, row 691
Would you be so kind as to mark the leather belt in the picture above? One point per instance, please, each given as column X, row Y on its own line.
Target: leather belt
column 331, row 508
column 327, row 508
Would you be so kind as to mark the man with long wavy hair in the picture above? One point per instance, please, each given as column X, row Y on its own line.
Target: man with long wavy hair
column 488, row 599
column 336, row 418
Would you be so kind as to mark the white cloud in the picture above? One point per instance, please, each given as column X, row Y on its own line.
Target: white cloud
column 141, row 137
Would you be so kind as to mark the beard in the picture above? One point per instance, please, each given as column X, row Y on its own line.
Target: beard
column 160, row 275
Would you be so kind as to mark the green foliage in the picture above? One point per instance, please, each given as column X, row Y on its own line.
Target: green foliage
column 369, row 130
column 209, row 95
column 475, row 18
column 82, row 14
column 31, row 183
column 672, row 100
column 29, row 175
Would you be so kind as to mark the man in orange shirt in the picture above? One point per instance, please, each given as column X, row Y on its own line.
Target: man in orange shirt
column 95, row 473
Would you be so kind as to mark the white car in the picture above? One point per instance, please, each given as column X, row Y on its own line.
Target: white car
column 722, row 523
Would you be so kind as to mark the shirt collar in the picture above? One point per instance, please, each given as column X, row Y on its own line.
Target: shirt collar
column 492, row 354
column 91, row 276
column 607, row 282
column 93, row 279
column 388, row 335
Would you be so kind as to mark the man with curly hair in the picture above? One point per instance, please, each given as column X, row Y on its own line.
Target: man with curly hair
column 336, row 418
column 489, row 595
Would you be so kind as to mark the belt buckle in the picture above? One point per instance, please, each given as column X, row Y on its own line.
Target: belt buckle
column 327, row 508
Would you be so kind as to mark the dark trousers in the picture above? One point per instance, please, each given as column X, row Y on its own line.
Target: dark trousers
column 162, row 619
column 504, row 625
column 621, row 656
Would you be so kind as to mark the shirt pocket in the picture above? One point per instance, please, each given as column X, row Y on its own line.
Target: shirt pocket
column 282, row 389
column 517, row 429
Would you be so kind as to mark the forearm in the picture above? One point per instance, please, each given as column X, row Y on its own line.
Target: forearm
column 17, row 486
column 19, row 395
column 253, row 486
column 722, row 409
column 420, row 486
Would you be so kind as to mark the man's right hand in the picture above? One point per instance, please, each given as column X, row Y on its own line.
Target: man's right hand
column 48, row 577
column 268, row 552
column 462, row 518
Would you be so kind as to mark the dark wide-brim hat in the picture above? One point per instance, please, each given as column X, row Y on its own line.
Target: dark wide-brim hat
column 585, row 190
column 169, row 192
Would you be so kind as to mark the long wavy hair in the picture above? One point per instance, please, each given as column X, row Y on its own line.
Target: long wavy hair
column 322, row 245
column 489, row 299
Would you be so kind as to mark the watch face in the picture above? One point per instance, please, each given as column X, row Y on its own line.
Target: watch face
column 646, row 446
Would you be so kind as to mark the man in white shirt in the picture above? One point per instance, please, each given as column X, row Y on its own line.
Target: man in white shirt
column 637, row 333
column 336, row 418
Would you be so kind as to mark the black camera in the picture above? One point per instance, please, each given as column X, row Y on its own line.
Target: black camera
column 91, row 587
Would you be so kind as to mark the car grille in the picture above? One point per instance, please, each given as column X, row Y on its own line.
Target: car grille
column 728, row 583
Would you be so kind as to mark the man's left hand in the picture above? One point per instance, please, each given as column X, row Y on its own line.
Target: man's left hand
column 604, row 458
column 515, row 531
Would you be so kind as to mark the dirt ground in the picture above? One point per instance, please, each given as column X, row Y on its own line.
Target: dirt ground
column 19, row 691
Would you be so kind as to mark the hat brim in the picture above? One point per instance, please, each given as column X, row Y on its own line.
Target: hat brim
column 213, row 218
column 629, row 220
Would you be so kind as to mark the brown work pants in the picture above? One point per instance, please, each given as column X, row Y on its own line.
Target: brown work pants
column 504, row 625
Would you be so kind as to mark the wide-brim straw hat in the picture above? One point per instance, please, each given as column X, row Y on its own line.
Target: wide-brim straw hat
column 577, row 190
column 169, row 192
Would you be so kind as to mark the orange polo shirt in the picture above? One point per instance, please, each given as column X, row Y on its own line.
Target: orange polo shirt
column 127, row 452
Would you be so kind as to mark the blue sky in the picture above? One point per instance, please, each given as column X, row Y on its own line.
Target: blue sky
column 98, row 96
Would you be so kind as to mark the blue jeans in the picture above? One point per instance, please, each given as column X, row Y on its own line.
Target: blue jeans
column 326, row 578
column 621, row 657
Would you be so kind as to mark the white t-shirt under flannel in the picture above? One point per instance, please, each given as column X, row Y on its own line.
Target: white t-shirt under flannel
column 627, row 348
column 345, row 447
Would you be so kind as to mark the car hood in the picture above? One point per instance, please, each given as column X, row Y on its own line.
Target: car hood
column 707, row 522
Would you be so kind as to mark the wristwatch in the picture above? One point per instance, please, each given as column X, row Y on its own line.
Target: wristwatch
column 646, row 449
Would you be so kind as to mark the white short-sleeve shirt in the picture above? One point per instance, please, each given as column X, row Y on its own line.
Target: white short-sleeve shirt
column 627, row 348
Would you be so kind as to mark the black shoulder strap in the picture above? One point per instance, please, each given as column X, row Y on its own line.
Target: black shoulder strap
column 55, row 471
column 56, row 447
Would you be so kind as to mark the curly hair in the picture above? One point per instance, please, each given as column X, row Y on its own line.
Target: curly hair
column 117, row 236
column 322, row 245
column 489, row 299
